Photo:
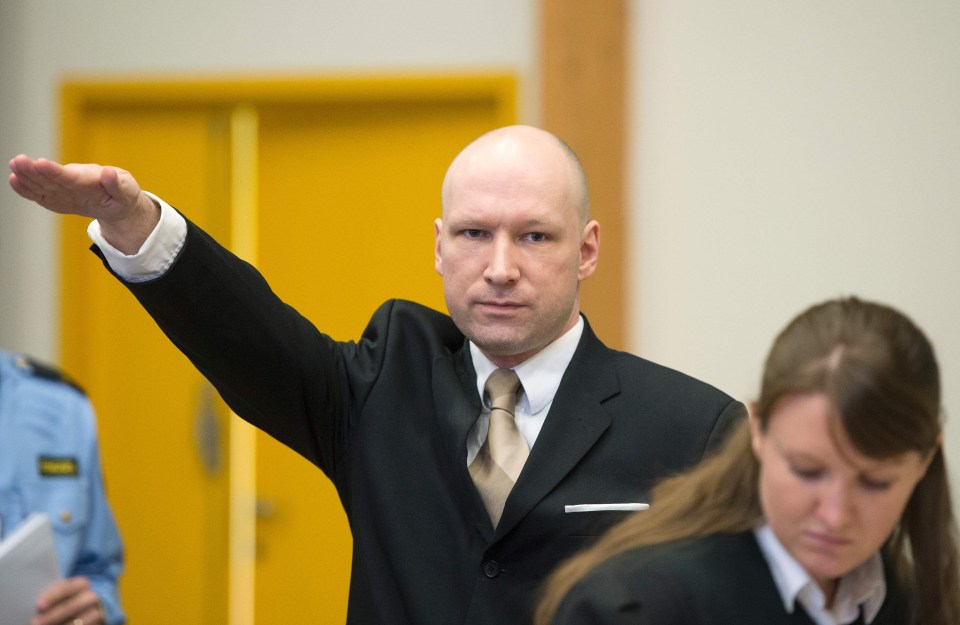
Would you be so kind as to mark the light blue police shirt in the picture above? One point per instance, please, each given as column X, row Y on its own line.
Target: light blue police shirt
column 50, row 462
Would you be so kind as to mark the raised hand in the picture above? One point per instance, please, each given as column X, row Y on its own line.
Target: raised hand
column 90, row 190
column 108, row 194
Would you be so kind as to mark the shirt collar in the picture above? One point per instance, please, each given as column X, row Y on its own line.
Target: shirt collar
column 864, row 585
column 540, row 374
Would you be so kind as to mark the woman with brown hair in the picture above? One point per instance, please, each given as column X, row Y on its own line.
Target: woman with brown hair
column 830, row 505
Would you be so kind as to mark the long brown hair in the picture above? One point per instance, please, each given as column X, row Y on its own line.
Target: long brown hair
column 881, row 376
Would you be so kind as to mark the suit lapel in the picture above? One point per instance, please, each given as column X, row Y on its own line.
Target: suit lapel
column 575, row 421
column 457, row 407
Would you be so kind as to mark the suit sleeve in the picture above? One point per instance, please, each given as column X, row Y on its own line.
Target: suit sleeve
column 269, row 363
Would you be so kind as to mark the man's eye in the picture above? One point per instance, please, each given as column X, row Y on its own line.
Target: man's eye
column 536, row 237
column 473, row 233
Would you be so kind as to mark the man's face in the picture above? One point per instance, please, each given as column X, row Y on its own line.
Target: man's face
column 511, row 249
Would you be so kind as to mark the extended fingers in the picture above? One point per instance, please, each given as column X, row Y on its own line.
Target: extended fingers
column 83, row 189
column 41, row 171
column 26, row 179
column 42, row 181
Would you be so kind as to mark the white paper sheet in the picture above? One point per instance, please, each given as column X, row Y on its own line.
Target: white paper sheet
column 28, row 564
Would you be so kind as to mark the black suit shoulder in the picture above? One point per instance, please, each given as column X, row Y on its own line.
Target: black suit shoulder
column 722, row 579
column 675, row 387
column 411, row 324
column 704, row 581
column 683, row 412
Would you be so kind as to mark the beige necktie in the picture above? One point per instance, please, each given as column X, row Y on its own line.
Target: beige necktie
column 498, row 463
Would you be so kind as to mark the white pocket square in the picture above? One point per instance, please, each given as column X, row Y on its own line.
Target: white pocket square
column 606, row 507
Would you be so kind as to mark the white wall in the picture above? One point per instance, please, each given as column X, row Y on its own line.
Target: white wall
column 785, row 153
column 43, row 42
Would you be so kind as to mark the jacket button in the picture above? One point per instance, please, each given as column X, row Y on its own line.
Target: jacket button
column 491, row 569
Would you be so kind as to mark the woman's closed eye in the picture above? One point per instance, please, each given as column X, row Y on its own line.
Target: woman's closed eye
column 807, row 473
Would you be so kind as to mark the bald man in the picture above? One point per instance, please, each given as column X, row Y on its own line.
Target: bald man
column 399, row 419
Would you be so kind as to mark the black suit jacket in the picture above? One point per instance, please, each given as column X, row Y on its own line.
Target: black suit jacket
column 721, row 579
column 387, row 417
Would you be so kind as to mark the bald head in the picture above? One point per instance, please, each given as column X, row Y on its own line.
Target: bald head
column 514, row 242
column 515, row 154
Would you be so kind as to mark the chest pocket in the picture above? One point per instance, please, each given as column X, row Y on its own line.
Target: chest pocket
column 66, row 502
column 64, row 499
column 591, row 524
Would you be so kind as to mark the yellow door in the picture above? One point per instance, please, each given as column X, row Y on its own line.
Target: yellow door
column 168, row 492
column 345, row 184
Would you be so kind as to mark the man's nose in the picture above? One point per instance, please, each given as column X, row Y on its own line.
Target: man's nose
column 502, row 266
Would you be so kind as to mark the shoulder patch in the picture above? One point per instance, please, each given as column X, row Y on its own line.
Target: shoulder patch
column 46, row 372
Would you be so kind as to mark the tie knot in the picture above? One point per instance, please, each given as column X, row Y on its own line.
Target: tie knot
column 501, row 388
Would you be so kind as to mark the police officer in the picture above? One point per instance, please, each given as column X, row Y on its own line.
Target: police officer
column 50, row 462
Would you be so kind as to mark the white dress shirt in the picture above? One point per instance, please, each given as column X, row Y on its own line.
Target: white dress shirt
column 540, row 377
column 155, row 255
column 864, row 585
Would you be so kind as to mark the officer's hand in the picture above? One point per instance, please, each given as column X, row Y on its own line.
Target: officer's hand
column 69, row 601
column 108, row 194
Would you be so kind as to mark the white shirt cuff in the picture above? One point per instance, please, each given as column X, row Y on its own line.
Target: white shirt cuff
column 155, row 255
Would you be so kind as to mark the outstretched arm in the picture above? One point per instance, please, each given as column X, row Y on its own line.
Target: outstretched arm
column 110, row 195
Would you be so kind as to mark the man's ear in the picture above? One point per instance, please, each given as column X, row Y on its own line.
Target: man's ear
column 437, row 256
column 589, row 250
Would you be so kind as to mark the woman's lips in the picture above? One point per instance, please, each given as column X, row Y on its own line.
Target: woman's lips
column 827, row 540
